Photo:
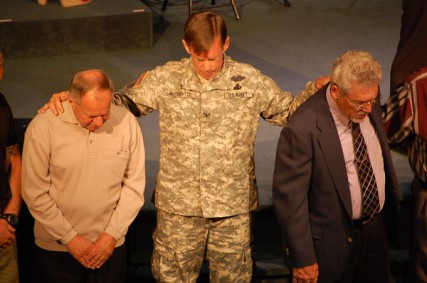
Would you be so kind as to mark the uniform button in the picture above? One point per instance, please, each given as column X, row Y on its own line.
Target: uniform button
column 349, row 239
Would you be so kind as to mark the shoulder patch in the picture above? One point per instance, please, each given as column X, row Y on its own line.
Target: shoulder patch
column 237, row 78
column 139, row 81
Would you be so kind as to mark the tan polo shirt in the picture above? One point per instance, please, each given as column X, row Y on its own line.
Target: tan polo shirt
column 79, row 182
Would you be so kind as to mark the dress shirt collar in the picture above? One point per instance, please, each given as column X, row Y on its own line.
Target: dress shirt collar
column 333, row 107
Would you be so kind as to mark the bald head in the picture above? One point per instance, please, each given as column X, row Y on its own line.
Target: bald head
column 91, row 94
column 92, row 81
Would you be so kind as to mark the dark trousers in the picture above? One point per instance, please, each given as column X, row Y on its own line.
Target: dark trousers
column 419, row 232
column 369, row 260
column 61, row 267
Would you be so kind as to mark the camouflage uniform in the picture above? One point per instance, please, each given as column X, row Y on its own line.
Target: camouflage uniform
column 207, row 136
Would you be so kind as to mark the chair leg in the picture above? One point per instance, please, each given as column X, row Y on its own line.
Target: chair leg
column 164, row 5
column 190, row 7
column 236, row 13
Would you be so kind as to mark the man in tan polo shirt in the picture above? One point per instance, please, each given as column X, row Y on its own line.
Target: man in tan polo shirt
column 83, row 182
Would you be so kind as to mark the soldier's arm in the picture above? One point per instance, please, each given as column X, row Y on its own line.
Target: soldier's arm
column 310, row 88
column 284, row 104
column 127, row 96
column 124, row 97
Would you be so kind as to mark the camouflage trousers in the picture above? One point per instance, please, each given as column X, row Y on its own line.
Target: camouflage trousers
column 182, row 242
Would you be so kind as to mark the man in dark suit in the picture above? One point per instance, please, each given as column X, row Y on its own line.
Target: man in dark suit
column 333, row 219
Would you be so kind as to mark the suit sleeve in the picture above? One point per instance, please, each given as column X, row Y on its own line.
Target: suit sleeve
column 291, row 185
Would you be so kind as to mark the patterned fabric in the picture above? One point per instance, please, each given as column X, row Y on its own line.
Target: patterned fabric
column 182, row 242
column 368, row 184
column 207, row 133
column 404, row 117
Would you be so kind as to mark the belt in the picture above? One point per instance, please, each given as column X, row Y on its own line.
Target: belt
column 360, row 223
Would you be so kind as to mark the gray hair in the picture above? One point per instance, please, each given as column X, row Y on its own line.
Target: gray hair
column 89, row 80
column 355, row 66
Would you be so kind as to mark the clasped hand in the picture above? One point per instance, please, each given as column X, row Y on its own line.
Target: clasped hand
column 7, row 234
column 92, row 255
column 306, row 274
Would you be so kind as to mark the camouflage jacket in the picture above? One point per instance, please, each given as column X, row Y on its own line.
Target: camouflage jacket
column 207, row 133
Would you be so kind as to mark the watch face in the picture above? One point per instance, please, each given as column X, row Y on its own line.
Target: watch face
column 12, row 219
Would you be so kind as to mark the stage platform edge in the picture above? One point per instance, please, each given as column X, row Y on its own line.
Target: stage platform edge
column 31, row 30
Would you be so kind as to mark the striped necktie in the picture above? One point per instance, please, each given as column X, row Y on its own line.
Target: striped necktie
column 368, row 184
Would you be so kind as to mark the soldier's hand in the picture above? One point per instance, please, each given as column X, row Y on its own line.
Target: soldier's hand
column 102, row 249
column 55, row 103
column 320, row 82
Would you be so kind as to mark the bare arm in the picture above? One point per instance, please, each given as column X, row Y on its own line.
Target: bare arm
column 12, row 161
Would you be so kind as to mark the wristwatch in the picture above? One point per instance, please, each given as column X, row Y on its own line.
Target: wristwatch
column 12, row 219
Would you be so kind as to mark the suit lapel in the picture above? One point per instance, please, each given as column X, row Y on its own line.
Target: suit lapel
column 377, row 123
column 330, row 146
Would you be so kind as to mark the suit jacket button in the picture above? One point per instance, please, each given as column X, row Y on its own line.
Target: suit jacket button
column 349, row 239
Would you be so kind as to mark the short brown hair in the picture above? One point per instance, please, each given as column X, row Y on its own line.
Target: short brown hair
column 202, row 28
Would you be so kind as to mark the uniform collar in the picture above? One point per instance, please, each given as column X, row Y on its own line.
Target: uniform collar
column 192, row 81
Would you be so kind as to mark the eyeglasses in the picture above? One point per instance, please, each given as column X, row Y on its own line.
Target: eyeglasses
column 359, row 105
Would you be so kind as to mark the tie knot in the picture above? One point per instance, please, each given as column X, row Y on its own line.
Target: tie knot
column 355, row 125
column 355, row 131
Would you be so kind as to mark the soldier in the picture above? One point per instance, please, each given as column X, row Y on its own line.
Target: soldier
column 209, row 109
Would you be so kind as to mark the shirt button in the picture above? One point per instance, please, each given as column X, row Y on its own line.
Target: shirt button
column 350, row 240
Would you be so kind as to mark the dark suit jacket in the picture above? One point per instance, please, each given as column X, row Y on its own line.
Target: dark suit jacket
column 311, row 193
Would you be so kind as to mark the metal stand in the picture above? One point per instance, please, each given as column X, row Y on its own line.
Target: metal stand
column 213, row 3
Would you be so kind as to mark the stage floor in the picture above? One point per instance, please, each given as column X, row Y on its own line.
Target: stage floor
column 29, row 10
column 31, row 30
